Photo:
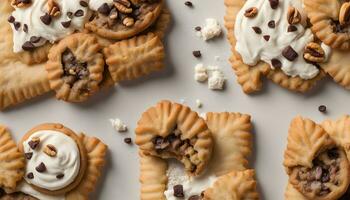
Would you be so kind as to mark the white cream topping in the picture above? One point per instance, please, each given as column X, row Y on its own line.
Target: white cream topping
column 96, row 4
column 253, row 47
column 67, row 160
column 27, row 189
column 191, row 186
column 52, row 32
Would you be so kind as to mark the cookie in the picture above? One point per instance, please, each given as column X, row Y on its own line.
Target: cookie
column 327, row 19
column 161, row 25
column 293, row 194
column 136, row 57
column 233, row 186
column 17, row 196
column 171, row 130
column 317, row 167
column 124, row 19
column 75, row 67
column 288, row 68
column 56, row 159
column 12, row 162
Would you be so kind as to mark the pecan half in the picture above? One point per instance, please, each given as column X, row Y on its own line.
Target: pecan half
column 293, row 15
column 314, row 53
column 128, row 21
column 251, row 12
column 53, row 8
column 344, row 14
column 21, row 3
column 122, row 8
column 50, row 150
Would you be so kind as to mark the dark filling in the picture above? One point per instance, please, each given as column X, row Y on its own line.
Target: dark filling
column 179, row 148
column 338, row 28
column 2, row 192
column 325, row 170
column 75, row 71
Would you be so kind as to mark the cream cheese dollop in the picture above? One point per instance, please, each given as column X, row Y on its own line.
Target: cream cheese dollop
column 30, row 17
column 66, row 162
column 254, row 47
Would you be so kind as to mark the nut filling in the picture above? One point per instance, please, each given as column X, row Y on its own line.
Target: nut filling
column 76, row 73
column 174, row 145
column 323, row 176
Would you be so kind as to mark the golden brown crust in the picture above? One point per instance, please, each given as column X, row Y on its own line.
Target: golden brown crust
column 160, row 27
column 293, row 194
column 17, row 196
column 83, row 155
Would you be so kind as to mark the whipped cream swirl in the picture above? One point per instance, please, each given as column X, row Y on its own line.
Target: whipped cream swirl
column 29, row 27
column 271, row 37
column 96, row 4
column 61, row 170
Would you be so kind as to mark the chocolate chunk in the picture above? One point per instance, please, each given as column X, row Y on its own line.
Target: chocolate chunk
column 70, row 15
column 257, row 30
column 11, row 19
column 128, row 140
column 194, row 197
column 289, row 53
column 33, row 144
column 46, row 19
column 322, row 108
column 266, row 37
column 41, row 168
column 274, row 3
column 271, row 24
column 84, row 3
column 104, row 9
column 17, row 25
column 178, row 191
column 79, row 13
column 30, row 175
column 189, row 4
column 198, row 28
column 28, row 155
column 292, row 28
column 66, row 24
column 197, row 54
column 25, row 28
column 60, row 176
column 34, row 39
column 276, row 63
column 160, row 143
column 333, row 153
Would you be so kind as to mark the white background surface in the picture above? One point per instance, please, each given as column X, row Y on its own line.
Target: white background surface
column 271, row 110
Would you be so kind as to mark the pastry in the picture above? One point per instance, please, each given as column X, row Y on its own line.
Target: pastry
column 123, row 19
column 75, row 67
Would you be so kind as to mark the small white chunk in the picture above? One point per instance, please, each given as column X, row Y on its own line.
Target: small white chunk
column 211, row 29
column 118, row 125
column 200, row 73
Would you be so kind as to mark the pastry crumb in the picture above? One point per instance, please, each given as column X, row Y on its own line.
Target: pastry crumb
column 118, row 125
column 199, row 103
column 211, row 29
column 200, row 73
column 217, row 79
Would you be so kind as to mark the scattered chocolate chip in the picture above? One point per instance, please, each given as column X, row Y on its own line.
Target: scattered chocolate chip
column 322, row 108
column 66, row 24
column 34, row 39
column 79, row 13
column 178, row 191
column 70, row 15
column 34, row 142
column 198, row 28
column 276, row 63
column 84, row 3
column 128, row 140
column 271, row 24
column 274, row 3
column 46, row 19
column 257, row 30
column 28, row 155
column 266, row 37
column 25, row 28
column 197, row 54
column 17, row 25
column 289, row 53
column 104, row 9
column 60, row 176
column 292, row 28
column 189, row 4
column 194, row 197
column 41, row 168
column 11, row 19
column 30, row 175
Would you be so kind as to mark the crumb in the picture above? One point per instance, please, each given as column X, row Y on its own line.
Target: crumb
column 322, row 108
column 203, row 115
column 128, row 140
column 197, row 54
column 118, row 125
column 189, row 4
column 211, row 29
column 199, row 103
column 200, row 73
column 216, row 79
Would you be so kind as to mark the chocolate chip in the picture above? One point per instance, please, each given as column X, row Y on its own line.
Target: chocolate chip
column 33, row 144
column 257, row 30
column 11, row 19
column 266, row 37
column 30, row 175
column 128, row 140
column 322, row 108
column 198, row 28
column 28, row 155
column 292, row 28
column 178, row 191
column 276, row 63
column 34, row 39
column 104, row 9
column 79, row 13
column 17, row 25
column 189, row 4
column 197, row 54
column 271, row 24
column 25, row 28
column 70, row 15
column 84, row 3
column 274, row 3
column 66, row 24
column 289, row 53
column 46, row 19
column 60, row 176
column 41, row 168
column 194, row 197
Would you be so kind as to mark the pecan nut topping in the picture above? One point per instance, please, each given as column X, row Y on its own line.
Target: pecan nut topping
column 128, row 21
column 53, row 8
column 122, row 7
column 344, row 14
column 21, row 3
column 314, row 53
column 50, row 150
column 293, row 15
column 251, row 12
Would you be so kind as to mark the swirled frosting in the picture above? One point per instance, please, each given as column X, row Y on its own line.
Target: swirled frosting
column 28, row 23
column 61, row 170
column 270, row 41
